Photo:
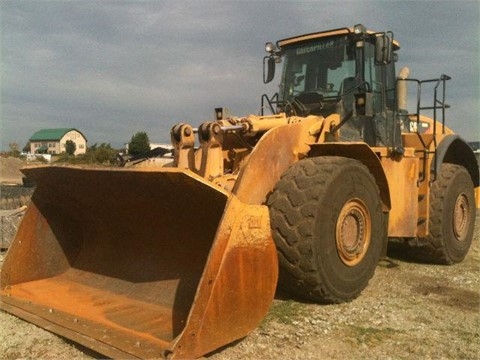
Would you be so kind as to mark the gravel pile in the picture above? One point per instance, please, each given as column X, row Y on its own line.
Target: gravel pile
column 9, row 222
column 10, row 170
column 12, row 194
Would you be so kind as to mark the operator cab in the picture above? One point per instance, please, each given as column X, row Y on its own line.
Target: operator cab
column 349, row 72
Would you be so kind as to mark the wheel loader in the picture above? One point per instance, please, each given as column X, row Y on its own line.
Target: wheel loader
column 177, row 260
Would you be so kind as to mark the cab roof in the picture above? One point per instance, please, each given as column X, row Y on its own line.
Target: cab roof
column 323, row 34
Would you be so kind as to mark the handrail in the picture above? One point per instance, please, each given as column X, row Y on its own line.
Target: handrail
column 437, row 104
column 270, row 102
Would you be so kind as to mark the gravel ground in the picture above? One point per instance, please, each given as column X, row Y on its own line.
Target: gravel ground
column 408, row 311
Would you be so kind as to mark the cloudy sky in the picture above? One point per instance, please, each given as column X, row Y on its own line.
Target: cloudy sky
column 113, row 68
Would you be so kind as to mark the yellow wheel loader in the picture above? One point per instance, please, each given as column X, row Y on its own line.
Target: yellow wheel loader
column 176, row 260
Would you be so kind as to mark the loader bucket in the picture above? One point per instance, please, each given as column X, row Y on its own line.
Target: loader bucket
column 139, row 263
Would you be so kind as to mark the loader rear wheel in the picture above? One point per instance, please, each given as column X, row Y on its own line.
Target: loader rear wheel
column 328, row 226
column 452, row 216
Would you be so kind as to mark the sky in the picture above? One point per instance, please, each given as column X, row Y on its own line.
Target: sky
column 114, row 68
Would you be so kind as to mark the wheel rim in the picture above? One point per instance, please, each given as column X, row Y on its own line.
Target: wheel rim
column 353, row 232
column 461, row 217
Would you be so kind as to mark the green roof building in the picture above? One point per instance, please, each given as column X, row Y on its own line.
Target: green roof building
column 52, row 141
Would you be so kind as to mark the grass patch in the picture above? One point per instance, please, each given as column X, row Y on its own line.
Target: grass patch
column 372, row 336
column 285, row 312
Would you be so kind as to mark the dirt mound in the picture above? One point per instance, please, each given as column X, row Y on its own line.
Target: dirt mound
column 10, row 170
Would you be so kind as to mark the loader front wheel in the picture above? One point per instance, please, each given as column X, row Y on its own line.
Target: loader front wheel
column 328, row 226
column 452, row 217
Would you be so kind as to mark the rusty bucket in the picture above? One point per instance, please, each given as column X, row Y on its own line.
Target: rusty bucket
column 139, row 263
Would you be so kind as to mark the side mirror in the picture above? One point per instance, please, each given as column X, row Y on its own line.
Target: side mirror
column 268, row 69
column 383, row 49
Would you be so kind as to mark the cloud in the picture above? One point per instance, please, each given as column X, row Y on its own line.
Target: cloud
column 114, row 68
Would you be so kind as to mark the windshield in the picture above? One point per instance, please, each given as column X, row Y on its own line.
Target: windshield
column 321, row 66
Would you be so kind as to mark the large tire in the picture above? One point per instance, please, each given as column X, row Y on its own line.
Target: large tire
column 328, row 226
column 452, row 217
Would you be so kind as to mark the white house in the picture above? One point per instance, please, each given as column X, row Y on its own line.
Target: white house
column 52, row 141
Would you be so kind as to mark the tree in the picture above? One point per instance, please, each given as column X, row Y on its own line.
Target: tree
column 139, row 143
column 70, row 147
column 103, row 153
column 14, row 149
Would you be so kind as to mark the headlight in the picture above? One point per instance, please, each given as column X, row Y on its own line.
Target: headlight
column 270, row 48
column 359, row 29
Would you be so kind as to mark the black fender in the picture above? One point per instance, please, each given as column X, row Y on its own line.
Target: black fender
column 454, row 150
